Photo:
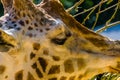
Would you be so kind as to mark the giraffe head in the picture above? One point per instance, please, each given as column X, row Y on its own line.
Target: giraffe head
column 22, row 21
column 23, row 29
column 41, row 47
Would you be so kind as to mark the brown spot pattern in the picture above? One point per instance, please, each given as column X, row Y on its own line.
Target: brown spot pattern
column 53, row 79
column 6, row 76
column 15, row 17
column 36, row 46
column 36, row 25
column 118, row 64
column 68, row 66
column 15, row 25
column 19, row 75
column 72, row 78
column 56, row 58
column 30, row 76
column 30, row 28
column 63, row 78
column 81, row 63
column 34, row 66
column 45, row 52
column 80, row 76
column 18, row 28
column 41, row 30
column 21, row 23
column 2, row 69
column 43, row 63
column 23, row 14
column 27, row 21
column 39, row 73
column 32, row 55
column 54, row 69
column 47, row 29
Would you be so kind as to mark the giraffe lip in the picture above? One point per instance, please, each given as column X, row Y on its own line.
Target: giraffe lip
column 59, row 41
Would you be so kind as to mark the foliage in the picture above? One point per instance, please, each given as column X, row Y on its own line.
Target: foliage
column 68, row 3
column 95, row 13
column 107, row 76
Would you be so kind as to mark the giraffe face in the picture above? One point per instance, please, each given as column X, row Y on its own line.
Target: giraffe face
column 23, row 24
column 26, row 30
column 39, row 47
column 29, row 32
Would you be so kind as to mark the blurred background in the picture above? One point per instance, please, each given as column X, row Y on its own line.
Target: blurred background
column 94, row 14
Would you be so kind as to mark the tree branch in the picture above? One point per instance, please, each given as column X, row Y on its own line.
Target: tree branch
column 107, row 26
column 75, row 5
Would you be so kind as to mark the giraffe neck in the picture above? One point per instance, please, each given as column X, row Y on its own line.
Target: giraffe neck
column 51, row 64
column 40, row 61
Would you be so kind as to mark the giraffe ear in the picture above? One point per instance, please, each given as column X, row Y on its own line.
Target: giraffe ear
column 7, row 4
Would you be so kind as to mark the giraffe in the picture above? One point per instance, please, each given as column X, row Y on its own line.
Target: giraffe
column 37, row 43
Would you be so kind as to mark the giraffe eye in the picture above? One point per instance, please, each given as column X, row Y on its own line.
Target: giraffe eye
column 61, row 38
column 59, row 41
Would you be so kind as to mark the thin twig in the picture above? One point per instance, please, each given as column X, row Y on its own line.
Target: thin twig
column 90, row 8
column 108, row 26
column 75, row 5
column 88, row 16
column 109, row 8
column 97, row 16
